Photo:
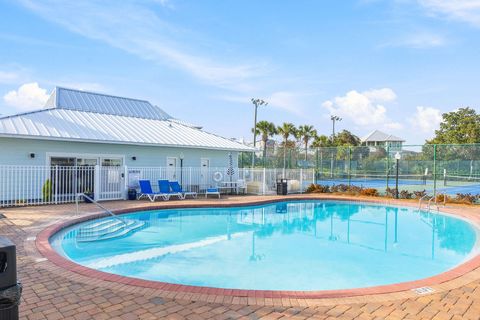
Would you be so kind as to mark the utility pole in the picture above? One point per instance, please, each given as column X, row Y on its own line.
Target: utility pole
column 256, row 103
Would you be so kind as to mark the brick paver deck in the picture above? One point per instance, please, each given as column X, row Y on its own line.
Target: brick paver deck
column 53, row 292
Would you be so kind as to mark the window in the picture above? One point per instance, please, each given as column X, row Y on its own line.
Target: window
column 111, row 162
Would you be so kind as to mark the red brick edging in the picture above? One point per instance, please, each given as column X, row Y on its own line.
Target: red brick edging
column 43, row 245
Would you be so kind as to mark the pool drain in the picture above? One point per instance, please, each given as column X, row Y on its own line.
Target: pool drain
column 423, row 290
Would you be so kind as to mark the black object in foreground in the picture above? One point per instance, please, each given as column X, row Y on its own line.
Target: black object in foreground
column 10, row 289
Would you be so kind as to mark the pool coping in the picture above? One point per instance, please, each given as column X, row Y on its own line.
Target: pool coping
column 43, row 245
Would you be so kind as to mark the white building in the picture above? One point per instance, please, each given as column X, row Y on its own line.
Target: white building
column 80, row 129
column 378, row 138
column 77, row 128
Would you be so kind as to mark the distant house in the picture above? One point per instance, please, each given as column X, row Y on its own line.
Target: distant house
column 378, row 138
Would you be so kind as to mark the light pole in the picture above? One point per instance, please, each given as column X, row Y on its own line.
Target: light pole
column 397, row 159
column 334, row 118
column 256, row 103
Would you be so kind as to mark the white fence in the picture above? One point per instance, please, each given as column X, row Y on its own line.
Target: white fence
column 36, row 185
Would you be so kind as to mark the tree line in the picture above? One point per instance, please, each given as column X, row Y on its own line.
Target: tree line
column 306, row 135
column 461, row 126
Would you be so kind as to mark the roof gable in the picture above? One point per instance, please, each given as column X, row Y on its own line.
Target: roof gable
column 378, row 135
column 63, row 98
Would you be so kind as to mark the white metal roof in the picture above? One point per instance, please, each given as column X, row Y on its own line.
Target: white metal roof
column 107, row 104
column 91, row 117
column 378, row 135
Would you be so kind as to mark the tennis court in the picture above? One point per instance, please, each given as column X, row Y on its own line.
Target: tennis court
column 459, row 184
column 449, row 184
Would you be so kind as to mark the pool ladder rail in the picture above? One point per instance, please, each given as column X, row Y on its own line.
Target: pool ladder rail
column 430, row 199
column 110, row 228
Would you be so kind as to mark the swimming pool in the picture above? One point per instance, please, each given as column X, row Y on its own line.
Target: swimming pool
column 294, row 245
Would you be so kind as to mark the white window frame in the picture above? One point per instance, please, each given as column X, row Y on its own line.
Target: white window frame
column 99, row 157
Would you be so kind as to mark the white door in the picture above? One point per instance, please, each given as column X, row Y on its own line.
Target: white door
column 204, row 172
column 172, row 168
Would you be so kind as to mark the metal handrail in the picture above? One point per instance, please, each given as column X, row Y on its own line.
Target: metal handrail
column 420, row 201
column 98, row 205
column 430, row 202
column 434, row 199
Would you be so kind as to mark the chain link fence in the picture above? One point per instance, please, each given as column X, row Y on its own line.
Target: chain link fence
column 450, row 169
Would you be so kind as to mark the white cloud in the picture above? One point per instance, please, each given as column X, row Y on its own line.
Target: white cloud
column 463, row 10
column 419, row 40
column 364, row 108
column 427, row 119
column 28, row 96
column 381, row 95
column 137, row 28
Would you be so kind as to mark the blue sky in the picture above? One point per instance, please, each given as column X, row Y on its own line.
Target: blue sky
column 390, row 65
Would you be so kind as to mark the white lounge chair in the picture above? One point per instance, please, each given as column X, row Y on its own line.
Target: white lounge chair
column 241, row 186
column 213, row 191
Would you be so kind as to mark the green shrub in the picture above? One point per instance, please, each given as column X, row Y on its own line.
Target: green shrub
column 47, row 190
column 390, row 192
column 339, row 188
column 371, row 192
column 443, row 198
column 405, row 194
column 317, row 188
column 466, row 198
column 419, row 194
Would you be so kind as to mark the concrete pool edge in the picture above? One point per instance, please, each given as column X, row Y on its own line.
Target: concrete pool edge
column 44, row 247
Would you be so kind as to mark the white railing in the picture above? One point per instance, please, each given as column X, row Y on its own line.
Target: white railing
column 37, row 185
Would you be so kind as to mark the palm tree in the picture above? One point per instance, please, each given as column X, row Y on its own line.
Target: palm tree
column 266, row 129
column 306, row 133
column 285, row 130
column 321, row 141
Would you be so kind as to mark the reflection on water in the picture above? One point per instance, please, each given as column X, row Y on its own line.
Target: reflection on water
column 289, row 245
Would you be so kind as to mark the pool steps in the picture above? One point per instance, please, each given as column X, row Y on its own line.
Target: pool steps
column 108, row 229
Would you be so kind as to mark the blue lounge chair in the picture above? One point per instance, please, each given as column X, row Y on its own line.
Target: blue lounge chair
column 164, row 186
column 147, row 192
column 176, row 187
column 214, row 191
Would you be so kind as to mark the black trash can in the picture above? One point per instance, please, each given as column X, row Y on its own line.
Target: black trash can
column 282, row 187
column 132, row 194
column 10, row 289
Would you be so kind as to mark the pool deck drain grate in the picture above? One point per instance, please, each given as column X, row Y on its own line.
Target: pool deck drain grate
column 423, row 290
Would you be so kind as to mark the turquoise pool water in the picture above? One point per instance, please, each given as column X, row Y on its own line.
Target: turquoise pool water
column 298, row 245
